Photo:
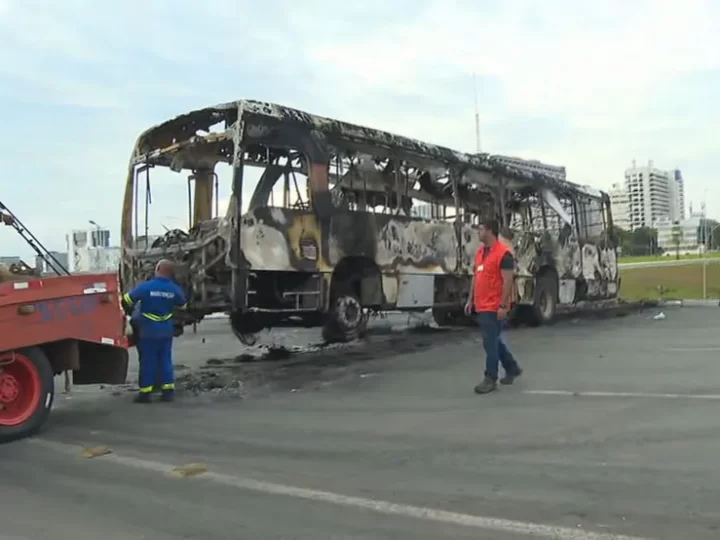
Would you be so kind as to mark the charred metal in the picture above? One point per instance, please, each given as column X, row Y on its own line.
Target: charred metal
column 346, row 236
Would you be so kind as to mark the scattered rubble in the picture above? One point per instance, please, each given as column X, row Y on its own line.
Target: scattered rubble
column 203, row 381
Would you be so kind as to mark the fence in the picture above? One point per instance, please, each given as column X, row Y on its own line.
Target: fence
column 668, row 279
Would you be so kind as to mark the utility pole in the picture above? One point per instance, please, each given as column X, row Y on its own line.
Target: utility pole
column 477, row 115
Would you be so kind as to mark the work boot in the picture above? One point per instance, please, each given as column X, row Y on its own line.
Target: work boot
column 486, row 386
column 142, row 397
column 509, row 378
column 168, row 395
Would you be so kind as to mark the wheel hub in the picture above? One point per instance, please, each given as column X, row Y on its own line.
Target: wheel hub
column 9, row 388
column 349, row 311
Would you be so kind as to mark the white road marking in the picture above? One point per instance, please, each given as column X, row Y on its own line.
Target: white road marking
column 379, row 506
column 707, row 397
column 694, row 349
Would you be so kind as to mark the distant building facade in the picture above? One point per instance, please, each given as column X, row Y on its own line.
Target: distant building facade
column 693, row 234
column 620, row 207
column 653, row 195
column 45, row 268
column 8, row 260
column 89, row 250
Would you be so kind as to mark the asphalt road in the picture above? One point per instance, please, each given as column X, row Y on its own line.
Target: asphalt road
column 613, row 430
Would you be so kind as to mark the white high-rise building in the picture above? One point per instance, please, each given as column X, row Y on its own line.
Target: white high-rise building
column 620, row 206
column 677, row 191
column 653, row 195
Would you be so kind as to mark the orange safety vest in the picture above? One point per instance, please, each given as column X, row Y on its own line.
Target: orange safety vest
column 487, row 295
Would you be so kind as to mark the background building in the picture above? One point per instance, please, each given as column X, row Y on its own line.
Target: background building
column 654, row 195
column 90, row 251
column 694, row 233
column 677, row 191
column 620, row 206
column 8, row 260
column 44, row 268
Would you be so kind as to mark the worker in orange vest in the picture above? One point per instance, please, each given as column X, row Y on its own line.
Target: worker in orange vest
column 491, row 294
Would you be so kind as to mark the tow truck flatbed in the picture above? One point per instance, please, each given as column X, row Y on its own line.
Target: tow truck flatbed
column 49, row 326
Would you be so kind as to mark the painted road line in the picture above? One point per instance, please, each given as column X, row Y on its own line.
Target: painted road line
column 705, row 397
column 523, row 528
column 694, row 349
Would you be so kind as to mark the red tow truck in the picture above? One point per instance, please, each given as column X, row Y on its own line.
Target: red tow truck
column 50, row 326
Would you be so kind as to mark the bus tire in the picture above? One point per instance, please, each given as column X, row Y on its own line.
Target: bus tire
column 27, row 391
column 346, row 318
column 545, row 300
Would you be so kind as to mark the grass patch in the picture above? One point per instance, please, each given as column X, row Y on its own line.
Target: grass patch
column 677, row 282
column 651, row 258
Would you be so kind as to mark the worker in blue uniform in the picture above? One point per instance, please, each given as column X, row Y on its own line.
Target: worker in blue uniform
column 158, row 298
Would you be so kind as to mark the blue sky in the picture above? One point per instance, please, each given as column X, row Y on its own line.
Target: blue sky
column 589, row 85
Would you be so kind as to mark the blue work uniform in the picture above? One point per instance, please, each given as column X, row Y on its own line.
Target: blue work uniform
column 158, row 297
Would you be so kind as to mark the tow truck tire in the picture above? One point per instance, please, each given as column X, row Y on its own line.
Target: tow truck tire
column 27, row 390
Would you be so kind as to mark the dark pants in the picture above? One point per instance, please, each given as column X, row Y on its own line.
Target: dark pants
column 156, row 355
column 495, row 348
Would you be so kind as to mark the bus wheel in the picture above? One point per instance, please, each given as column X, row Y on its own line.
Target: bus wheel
column 347, row 319
column 27, row 390
column 443, row 317
column 545, row 301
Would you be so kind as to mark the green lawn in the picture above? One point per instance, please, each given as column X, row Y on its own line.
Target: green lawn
column 670, row 282
column 649, row 258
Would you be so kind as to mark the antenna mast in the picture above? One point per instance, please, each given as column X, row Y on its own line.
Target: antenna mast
column 477, row 115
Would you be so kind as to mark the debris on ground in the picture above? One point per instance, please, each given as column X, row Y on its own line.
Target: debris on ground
column 660, row 316
column 203, row 381
column 277, row 353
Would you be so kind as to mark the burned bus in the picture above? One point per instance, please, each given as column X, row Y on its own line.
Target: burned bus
column 345, row 221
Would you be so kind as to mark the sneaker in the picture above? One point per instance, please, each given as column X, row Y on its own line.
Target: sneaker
column 509, row 378
column 486, row 386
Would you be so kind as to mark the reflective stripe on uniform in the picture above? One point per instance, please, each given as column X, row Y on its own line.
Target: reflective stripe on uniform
column 146, row 389
column 169, row 386
column 127, row 298
column 157, row 318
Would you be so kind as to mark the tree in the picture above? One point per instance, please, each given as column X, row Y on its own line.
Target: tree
column 676, row 237
column 622, row 239
column 715, row 238
column 644, row 241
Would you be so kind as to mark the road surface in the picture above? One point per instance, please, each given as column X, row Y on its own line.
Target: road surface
column 613, row 430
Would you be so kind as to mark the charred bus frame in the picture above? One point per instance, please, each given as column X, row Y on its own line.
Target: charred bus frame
column 329, row 261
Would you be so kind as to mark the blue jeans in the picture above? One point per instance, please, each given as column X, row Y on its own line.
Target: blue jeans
column 495, row 347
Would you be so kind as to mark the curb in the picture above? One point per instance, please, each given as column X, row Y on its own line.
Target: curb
column 690, row 302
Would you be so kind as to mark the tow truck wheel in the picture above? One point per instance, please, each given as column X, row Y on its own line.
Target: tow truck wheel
column 27, row 390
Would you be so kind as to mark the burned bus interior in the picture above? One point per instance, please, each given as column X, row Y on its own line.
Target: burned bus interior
column 346, row 219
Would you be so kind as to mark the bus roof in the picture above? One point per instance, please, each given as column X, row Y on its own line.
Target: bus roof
column 337, row 131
